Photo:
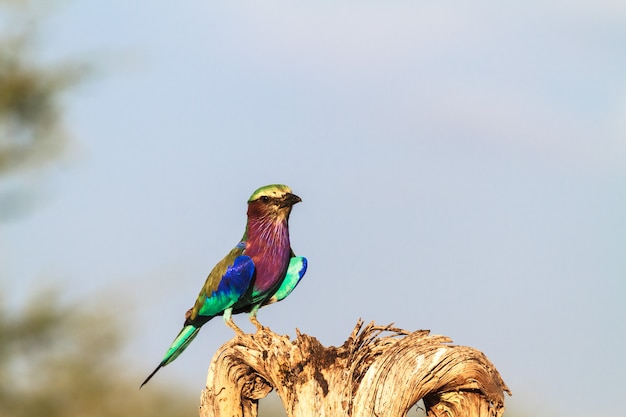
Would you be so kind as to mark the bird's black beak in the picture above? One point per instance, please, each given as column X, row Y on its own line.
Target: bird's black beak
column 289, row 200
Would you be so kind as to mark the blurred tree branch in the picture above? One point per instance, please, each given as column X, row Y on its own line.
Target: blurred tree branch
column 32, row 131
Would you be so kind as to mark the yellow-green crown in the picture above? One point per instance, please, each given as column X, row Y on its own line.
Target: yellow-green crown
column 272, row 191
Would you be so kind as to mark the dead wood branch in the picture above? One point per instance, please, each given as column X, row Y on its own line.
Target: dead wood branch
column 379, row 371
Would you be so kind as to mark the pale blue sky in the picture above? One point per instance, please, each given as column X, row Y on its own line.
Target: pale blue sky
column 462, row 169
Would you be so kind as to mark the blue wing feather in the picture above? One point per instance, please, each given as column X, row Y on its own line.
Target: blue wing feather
column 231, row 287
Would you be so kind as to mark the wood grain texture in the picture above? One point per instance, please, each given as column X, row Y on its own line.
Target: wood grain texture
column 379, row 371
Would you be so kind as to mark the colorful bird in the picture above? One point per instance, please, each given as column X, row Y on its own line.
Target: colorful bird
column 262, row 269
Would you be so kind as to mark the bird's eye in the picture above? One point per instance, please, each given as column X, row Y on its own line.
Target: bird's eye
column 265, row 199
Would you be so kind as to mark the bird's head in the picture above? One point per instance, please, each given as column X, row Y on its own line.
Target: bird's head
column 272, row 201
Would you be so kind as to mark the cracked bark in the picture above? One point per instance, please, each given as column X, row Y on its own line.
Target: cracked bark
column 379, row 371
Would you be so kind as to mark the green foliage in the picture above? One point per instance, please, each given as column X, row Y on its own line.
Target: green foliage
column 31, row 128
column 65, row 360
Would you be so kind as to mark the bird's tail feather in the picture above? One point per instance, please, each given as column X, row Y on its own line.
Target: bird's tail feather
column 186, row 335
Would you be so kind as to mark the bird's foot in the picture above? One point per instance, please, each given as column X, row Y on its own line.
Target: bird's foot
column 230, row 323
column 256, row 323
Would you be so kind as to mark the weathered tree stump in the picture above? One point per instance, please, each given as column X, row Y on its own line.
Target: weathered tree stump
column 371, row 374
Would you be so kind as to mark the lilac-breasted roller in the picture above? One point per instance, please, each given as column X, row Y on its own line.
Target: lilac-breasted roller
column 262, row 269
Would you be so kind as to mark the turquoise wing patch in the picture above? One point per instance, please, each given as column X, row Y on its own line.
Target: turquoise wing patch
column 295, row 272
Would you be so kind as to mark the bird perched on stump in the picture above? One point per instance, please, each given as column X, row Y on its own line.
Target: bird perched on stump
column 261, row 269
